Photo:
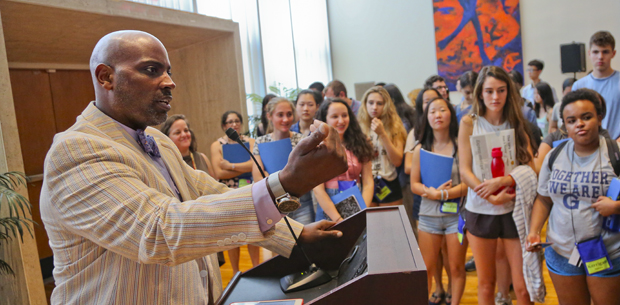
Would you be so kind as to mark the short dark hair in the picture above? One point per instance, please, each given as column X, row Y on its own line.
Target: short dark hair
column 603, row 39
column 382, row 84
column 318, row 97
column 225, row 116
column 428, row 83
column 337, row 86
column 582, row 94
column 568, row 83
column 468, row 79
column 537, row 63
column 318, row 86
column 516, row 77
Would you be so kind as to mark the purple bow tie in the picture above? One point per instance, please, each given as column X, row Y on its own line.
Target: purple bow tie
column 148, row 144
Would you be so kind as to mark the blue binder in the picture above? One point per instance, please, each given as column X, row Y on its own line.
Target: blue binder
column 234, row 153
column 435, row 169
column 275, row 154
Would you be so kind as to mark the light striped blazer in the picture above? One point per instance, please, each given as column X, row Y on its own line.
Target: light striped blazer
column 118, row 232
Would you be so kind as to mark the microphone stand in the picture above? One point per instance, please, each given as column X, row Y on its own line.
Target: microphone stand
column 312, row 277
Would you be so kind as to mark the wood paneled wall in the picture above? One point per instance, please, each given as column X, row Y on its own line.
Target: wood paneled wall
column 209, row 82
column 47, row 34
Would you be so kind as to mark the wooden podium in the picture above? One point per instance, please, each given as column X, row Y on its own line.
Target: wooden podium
column 387, row 267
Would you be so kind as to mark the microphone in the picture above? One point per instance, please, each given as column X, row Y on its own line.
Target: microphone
column 297, row 281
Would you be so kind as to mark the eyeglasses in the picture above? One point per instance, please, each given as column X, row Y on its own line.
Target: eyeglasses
column 532, row 69
column 235, row 122
column 441, row 87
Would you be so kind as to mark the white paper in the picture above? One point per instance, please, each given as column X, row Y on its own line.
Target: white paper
column 481, row 146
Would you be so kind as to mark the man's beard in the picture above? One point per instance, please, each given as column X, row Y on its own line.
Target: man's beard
column 150, row 114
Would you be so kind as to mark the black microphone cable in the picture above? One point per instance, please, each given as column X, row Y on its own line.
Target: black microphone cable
column 233, row 135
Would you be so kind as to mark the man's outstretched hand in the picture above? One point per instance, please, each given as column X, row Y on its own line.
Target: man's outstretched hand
column 317, row 231
column 315, row 160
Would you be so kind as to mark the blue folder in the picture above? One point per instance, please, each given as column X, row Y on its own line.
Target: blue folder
column 613, row 191
column 558, row 142
column 275, row 154
column 234, row 153
column 435, row 169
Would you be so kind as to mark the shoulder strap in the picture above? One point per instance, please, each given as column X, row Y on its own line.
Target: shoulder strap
column 555, row 153
column 614, row 154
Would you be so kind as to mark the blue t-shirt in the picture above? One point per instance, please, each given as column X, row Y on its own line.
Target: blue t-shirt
column 609, row 88
column 460, row 113
column 528, row 113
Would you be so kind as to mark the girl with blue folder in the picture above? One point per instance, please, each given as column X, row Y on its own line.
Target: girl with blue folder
column 584, row 256
column 338, row 114
column 440, row 190
column 232, row 173
column 280, row 115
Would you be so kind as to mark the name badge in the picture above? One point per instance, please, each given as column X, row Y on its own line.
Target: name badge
column 594, row 255
column 381, row 189
column 448, row 207
column 244, row 182
column 461, row 229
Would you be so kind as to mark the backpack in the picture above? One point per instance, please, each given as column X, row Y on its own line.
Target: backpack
column 612, row 150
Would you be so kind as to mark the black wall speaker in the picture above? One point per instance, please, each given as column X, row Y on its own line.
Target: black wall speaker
column 573, row 57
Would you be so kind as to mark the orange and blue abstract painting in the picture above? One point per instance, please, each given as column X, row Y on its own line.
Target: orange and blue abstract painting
column 470, row 34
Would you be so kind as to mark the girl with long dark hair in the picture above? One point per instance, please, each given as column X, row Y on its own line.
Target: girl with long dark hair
column 439, row 136
column 543, row 96
column 337, row 113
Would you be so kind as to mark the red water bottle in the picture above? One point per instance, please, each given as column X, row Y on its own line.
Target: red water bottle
column 497, row 165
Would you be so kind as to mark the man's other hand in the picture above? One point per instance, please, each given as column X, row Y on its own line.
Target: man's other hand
column 315, row 160
column 317, row 231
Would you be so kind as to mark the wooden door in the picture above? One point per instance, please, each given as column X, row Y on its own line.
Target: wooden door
column 45, row 103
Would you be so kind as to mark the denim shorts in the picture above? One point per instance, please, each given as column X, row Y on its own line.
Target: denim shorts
column 559, row 265
column 442, row 225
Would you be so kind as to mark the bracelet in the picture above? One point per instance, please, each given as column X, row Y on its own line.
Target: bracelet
column 233, row 166
column 446, row 195
column 339, row 218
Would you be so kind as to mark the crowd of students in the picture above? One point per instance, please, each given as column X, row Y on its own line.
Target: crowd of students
column 384, row 139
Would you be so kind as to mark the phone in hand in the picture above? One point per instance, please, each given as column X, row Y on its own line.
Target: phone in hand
column 541, row 245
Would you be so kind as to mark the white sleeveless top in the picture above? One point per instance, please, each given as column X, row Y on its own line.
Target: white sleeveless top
column 474, row 202
column 381, row 165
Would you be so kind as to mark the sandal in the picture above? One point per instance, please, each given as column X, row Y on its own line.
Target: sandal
column 448, row 299
column 439, row 298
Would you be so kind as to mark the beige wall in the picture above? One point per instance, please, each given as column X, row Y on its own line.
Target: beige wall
column 393, row 40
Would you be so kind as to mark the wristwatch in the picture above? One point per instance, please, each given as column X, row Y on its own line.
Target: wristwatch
column 284, row 201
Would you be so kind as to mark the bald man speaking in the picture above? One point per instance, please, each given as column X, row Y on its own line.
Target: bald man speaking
column 129, row 222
